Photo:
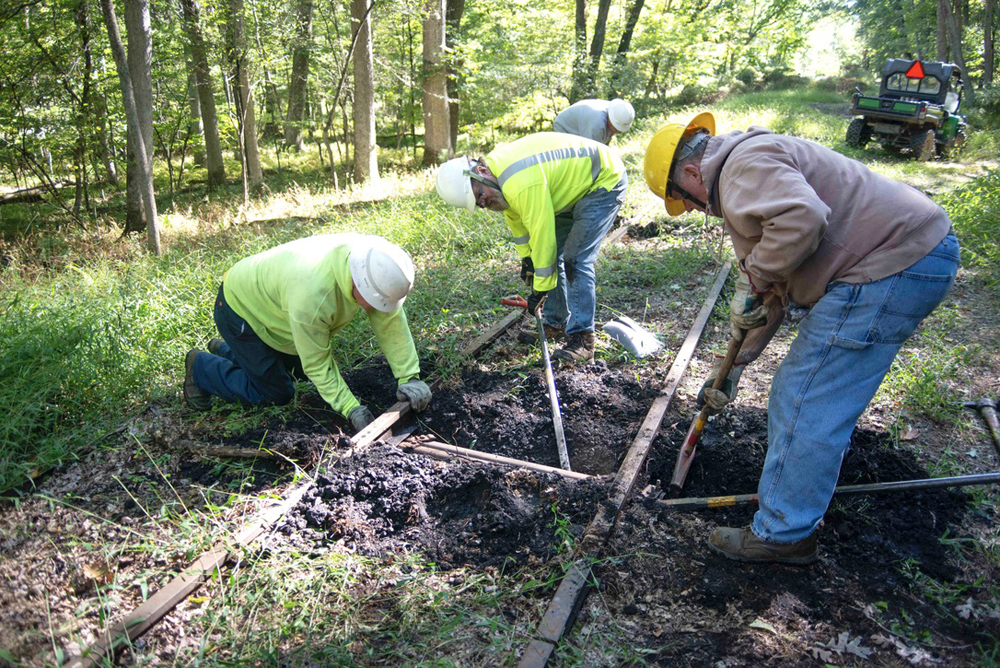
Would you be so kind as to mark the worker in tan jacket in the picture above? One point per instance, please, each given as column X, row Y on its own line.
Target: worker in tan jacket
column 859, row 258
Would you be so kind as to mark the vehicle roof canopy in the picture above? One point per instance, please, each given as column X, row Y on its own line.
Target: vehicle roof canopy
column 943, row 72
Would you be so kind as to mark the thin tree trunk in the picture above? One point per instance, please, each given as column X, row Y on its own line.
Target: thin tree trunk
column 140, row 54
column 989, row 10
column 597, row 44
column 206, row 93
column 942, row 32
column 83, row 113
column 437, row 127
column 106, row 153
column 956, row 45
column 454, row 19
column 300, row 74
column 246, row 120
column 132, row 116
column 578, row 90
column 365, row 147
column 195, row 126
column 624, row 44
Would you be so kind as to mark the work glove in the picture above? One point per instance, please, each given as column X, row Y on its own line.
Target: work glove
column 747, row 310
column 716, row 400
column 535, row 301
column 360, row 417
column 416, row 392
column 527, row 271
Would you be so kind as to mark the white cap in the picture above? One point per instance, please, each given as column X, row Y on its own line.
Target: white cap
column 382, row 273
column 454, row 185
column 621, row 114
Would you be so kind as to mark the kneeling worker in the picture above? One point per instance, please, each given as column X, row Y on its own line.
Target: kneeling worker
column 280, row 309
column 860, row 258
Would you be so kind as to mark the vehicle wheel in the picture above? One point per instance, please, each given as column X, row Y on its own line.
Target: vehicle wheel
column 922, row 145
column 858, row 133
column 953, row 148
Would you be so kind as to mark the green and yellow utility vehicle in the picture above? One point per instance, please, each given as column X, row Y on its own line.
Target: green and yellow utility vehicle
column 916, row 110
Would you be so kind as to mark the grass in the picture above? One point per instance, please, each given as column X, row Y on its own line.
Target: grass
column 95, row 330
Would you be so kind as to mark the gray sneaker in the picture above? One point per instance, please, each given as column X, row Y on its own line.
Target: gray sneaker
column 530, row 334
column 744, row 545
column 196, row 398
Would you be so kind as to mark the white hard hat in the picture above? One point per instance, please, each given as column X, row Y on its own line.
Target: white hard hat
column 382, row 272
column 454, row 185
column 621, row 114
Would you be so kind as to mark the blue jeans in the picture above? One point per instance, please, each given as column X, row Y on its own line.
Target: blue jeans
column 833, row 368
column 571, row 305
column 246, row 370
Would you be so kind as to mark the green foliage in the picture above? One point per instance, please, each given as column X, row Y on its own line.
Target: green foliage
column 975, row 212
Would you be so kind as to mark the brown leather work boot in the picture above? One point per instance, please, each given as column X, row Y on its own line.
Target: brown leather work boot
column 196, row 398
column 214, row 345
column 530, row 334
column 579, row 348
column 743, row 545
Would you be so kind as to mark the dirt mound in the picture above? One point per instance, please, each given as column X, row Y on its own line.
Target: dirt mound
column 511, row 415
column 458, row 514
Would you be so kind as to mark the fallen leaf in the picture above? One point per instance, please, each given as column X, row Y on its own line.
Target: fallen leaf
column 761, row 624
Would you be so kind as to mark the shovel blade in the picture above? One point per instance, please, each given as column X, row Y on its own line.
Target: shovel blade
column 686, row 454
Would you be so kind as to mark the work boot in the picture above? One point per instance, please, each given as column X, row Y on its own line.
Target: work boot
column 196, row 398
column 743, row 545
column 530, row 334
column 214, row 345
column 579, row 348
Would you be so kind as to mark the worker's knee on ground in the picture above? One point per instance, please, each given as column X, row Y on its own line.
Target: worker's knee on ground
column 277, row 396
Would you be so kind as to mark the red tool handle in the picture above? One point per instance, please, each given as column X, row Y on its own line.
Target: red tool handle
column 519, row 302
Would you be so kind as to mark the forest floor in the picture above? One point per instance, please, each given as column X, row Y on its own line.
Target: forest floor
column 898, row 581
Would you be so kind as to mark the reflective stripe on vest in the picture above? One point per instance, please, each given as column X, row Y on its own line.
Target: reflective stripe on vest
column 591, row 152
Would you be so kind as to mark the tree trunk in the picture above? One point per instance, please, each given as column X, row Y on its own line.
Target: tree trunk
column 195, row 127
column 243, row 96
column 132, row 116
column 300, row 74
column 206, row 93
column 454, row 19
column 105, row 151
column 624, row 45
column 989, row 10
column 83, row 113
column 437, row 127
column 365, row 147
column 577, row 92
column 969, row 98
column 942, row 32
column 140, row 54
column 597, row 44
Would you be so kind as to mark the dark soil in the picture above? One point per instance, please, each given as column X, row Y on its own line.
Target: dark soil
column 683, row 602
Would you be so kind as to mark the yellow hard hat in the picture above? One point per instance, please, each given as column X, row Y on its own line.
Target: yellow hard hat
column 660, row 156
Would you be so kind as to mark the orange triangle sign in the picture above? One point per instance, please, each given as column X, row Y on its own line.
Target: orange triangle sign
column 916, row 70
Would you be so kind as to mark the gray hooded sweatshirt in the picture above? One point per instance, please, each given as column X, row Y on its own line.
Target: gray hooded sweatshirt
column 802, row 216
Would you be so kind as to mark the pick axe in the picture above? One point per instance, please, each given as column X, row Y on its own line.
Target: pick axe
column 988, row 409
column 686, row 454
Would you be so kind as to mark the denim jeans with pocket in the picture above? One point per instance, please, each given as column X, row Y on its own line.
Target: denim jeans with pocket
column 832, row 371
column 246, row 370
column 573, row 302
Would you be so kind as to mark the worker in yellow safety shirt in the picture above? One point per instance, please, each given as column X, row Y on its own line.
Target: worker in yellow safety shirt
column 280, row 309
column 531, row 180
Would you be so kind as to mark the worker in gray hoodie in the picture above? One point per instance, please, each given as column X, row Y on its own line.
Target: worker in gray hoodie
column 859, row 258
